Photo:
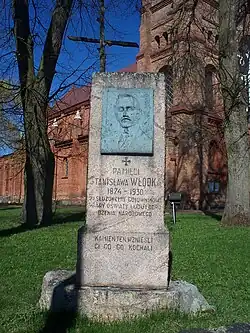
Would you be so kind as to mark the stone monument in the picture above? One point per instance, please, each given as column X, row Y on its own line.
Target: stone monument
column 123, row 254
column 122, row 268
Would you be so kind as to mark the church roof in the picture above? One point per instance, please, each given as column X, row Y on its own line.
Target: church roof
column 132, row 68
column 79, row 95
column 75, row 95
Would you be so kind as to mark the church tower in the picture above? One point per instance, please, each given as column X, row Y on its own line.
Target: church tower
column 156, row 24
column 180, row 39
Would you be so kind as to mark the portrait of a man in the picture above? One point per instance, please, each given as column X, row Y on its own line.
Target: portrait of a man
column 127, row 121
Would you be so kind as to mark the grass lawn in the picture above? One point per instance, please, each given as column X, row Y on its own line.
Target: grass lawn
column 216, row 259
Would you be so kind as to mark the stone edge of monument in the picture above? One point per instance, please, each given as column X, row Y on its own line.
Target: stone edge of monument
column 59, row 293
column 88, row 272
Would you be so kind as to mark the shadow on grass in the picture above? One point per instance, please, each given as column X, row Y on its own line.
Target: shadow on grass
column 59, row 322
column 62, row 313
column 59, row 218
column 8, row 207
column 214, row 215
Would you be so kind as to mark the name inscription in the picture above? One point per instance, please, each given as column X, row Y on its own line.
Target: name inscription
column 126, row 193
column 136, row 181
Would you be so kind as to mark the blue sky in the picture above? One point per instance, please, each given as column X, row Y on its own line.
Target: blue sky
column 122, row 23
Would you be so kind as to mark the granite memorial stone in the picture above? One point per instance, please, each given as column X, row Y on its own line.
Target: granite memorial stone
column 125, row 245
column 123, row 252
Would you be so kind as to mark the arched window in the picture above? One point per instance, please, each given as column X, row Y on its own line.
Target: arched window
column 65, row 167
column 209, row 35
column 215, row 167
column 1, row 180
column 209, row 89
column 165, row 35
column 168, row 71
column 243, row 8
column 158, row 41
column 7, row 179
column 215, row 158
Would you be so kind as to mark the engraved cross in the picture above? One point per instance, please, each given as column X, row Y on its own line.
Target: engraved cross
column 126, row 161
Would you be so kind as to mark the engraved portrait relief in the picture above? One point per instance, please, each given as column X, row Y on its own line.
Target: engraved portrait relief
column 127, row 121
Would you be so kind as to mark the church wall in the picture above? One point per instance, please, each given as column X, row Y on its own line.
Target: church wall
column 70, row 174
column 69, row 142
column 195, row 111
column 193, row 128
column 11, row 178
column 188, row 160
column 70, row 146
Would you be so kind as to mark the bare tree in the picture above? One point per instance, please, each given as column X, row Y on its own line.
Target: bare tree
column 10, row 117
column 35, row 88
column 31, row 61
column 219, row 44
column 237, row 210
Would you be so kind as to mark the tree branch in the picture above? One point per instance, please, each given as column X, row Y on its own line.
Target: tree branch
column 53, row 44
column 24, row 43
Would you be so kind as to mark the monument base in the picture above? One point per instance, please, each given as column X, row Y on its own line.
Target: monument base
column 59, row 293
column 111, row 304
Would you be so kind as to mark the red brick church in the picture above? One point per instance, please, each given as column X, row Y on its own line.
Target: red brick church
column 195, row 154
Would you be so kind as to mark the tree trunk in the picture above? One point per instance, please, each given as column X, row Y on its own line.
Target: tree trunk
column 236, row 138
column 237, row 209
column 35, row 89
column 39, row 168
